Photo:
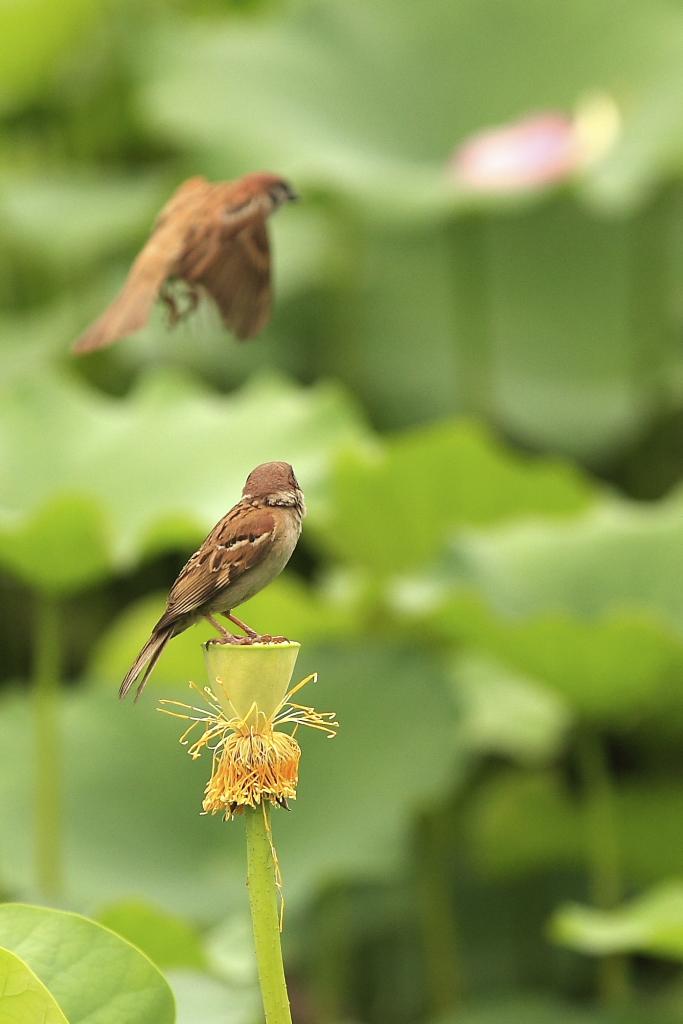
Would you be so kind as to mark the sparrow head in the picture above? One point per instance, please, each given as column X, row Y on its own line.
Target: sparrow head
column 274, row 483
column 273, row 186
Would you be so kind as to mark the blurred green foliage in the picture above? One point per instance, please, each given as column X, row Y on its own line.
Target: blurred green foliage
column 650, row 925
column 91, row 973
column 477, row 393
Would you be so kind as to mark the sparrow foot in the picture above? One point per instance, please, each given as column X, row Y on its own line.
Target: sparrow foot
column 168, row 298
column 251, row 633
column 172, row 294
column 225, row 638
column 224, row 635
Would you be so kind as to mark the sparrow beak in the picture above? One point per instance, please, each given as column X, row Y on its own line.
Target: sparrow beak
column 292, row 196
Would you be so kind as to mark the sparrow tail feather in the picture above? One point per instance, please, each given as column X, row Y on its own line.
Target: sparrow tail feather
column 146, row 660
column 128, row 312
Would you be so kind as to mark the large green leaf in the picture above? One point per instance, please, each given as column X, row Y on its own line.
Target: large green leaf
column 506, row 713
column 70, row 219
column 392, row 508
column 397, row 298
column 619, row 557
column 571, row 365
column 337, row 92
column 96, row 977
column 62, row 544
column 651, row 924
column 534, row 811
column 32, row 340
column 155, row 471
column 530, row 821
column 615, row 669
column 591, row 607
column 132, row 805
column 23, row 997
column 165, row 938
column 508, row 330
column 213, row 978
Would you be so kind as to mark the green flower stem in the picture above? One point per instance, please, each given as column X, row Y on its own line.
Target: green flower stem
column 48, row 780
column 603, row 853
column 264, row 916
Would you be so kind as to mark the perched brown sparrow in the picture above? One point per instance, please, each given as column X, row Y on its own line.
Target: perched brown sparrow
column 247, row 549
column 214, row 238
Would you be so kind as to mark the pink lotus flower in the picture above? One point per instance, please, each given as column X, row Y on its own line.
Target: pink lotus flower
column 538, row 150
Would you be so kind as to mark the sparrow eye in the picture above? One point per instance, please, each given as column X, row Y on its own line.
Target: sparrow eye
column 282, row 193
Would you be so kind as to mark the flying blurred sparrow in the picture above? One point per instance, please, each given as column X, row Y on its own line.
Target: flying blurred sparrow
column 214, row 238
column 247, row 549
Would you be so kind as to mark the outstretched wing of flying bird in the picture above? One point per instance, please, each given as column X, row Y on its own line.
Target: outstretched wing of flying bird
column 238, row 281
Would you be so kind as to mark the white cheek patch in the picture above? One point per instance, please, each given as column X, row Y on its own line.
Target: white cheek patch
column 281, row 498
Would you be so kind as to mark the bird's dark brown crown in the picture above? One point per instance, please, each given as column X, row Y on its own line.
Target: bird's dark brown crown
column 275, row 481
column 279, row 190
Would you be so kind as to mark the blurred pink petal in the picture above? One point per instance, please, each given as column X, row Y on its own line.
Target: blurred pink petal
column 537, row 150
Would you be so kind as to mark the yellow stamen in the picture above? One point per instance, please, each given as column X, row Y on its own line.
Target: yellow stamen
column 252, row 759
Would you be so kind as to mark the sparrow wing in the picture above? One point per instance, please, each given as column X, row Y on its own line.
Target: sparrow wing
column 236, row 544
column 187, row 196
column 238, row 280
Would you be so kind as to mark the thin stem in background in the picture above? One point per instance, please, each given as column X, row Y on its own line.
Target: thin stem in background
column 263, row 900
column 47, row 658
column 436, row 908
column 470, row 261
column 334, row 944
column 603, row 853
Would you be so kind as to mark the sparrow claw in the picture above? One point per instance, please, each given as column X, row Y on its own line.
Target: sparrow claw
column 169, row 300
column 171, row 294
column 266, row 638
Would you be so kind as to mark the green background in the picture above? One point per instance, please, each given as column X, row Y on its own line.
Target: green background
column 482, row 396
